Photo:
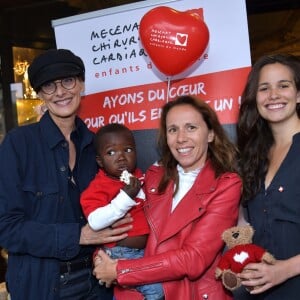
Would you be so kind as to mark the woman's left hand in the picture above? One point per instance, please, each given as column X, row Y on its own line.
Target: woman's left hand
column 259, row 277
column 105, row 268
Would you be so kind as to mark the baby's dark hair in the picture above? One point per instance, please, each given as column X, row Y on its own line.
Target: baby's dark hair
column 107, row 129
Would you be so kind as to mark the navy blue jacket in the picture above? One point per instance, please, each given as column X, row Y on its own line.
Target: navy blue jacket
column 34, row 173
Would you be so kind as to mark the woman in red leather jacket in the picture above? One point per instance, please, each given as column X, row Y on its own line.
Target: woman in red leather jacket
column 192, row 195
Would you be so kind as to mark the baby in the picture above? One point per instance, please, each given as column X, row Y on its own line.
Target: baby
column 116, row 190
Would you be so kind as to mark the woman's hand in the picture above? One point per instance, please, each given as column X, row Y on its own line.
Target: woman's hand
column 105, row 268
column 107, row 235
column 259, row 277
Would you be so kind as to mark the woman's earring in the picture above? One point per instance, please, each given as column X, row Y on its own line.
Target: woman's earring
column 44, row 108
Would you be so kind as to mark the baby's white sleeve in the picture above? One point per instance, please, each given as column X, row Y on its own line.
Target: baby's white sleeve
column 105, row 216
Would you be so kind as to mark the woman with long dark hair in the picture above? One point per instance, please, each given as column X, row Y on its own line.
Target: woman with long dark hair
column 268, row 134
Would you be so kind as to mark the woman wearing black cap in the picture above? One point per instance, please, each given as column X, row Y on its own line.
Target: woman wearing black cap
column 44, row 168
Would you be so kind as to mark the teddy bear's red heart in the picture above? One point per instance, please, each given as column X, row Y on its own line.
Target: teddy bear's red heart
column 173, row 40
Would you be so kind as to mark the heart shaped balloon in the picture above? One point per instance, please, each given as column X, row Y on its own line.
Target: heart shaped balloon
column 173, row 40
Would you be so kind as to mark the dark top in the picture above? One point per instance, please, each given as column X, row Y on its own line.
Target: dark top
column 275, row 215
column 40, row 215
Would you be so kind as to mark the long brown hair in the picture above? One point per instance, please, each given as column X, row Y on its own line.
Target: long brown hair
column 254, row 136
column 221, row 151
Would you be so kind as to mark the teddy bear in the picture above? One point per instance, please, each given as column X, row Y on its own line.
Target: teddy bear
column 240, row 252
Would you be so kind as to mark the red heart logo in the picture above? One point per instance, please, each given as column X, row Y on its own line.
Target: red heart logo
column 181, row 38
column 173, row 40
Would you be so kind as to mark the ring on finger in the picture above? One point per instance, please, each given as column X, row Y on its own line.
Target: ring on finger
column 101, row 282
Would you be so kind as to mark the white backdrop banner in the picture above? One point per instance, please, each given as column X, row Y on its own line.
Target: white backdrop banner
column 122, row 83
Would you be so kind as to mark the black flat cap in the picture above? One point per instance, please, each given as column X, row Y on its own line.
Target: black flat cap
column 54, row 64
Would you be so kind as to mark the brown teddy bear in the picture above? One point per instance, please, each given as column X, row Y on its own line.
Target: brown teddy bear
column 240, row 252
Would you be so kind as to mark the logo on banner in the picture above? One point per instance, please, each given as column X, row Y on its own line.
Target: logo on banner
column 181, row 39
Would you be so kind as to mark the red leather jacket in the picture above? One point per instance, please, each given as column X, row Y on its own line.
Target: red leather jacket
column 184, row 246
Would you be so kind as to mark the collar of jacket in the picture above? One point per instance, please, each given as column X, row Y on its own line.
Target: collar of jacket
column 204, row 186
column 54, row 136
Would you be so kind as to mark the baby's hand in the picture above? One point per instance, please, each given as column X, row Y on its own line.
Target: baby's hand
column 133, row 185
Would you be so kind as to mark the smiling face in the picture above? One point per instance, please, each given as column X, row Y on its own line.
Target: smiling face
column 117, row 153
column 277, row 94
column 63, row 103
column 188, row 136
